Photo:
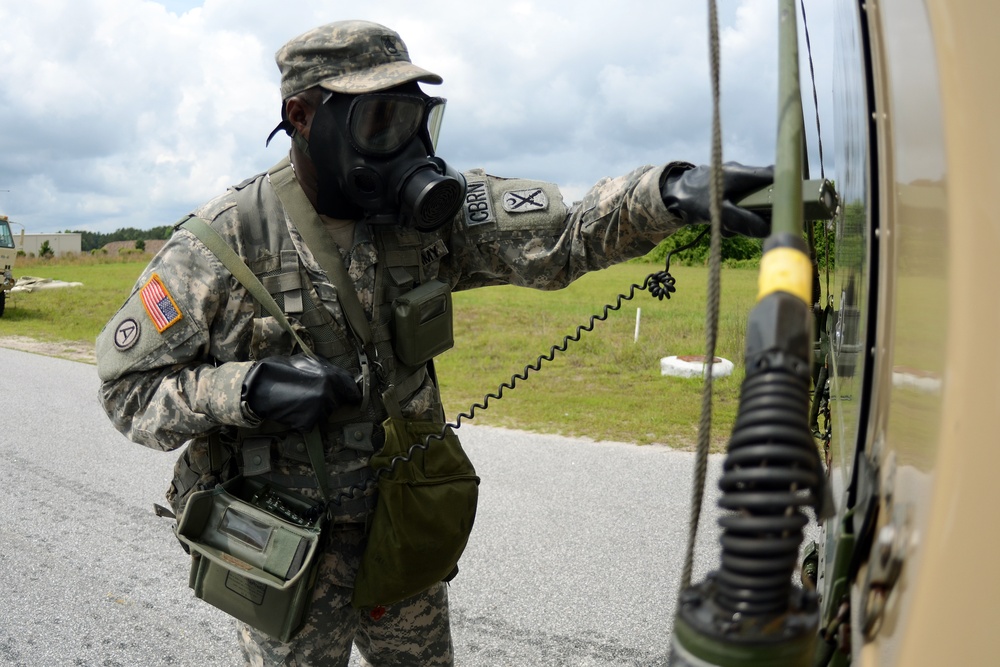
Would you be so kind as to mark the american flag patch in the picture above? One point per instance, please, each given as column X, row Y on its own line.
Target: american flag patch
column 160, row 306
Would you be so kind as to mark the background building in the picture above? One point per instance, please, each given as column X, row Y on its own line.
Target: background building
column 61, row 243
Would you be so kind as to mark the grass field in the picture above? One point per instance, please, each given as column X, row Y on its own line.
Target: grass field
column 72, row 314
column 605, row 387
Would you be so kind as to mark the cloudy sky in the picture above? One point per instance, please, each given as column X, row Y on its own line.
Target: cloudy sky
column 129, row 113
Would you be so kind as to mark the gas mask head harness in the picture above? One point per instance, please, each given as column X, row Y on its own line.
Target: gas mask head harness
column 374, row 159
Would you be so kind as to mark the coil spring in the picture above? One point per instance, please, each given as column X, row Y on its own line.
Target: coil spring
column 772, row 469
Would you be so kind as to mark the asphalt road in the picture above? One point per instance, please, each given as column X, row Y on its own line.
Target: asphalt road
column 575, row 558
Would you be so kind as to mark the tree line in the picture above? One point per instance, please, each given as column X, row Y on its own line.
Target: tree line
column 737, row 250
column 94, row 240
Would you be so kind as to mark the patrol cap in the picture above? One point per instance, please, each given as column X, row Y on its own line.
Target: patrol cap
column 351, row 57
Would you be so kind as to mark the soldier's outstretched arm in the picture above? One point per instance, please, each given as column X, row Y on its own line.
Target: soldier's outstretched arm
column 522, row 232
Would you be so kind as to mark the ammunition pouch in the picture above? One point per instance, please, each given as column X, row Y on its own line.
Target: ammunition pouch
column 424, row 515
column 255, row 551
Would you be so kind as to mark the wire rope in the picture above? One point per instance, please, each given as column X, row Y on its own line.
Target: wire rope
column 712, row 305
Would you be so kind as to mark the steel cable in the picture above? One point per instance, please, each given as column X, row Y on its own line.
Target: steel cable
column 712, row 305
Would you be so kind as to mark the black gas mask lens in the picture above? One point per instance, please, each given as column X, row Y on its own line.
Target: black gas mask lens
column 383, row 123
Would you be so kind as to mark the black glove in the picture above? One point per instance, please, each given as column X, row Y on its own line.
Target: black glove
column 297, row 391
column 686, row 195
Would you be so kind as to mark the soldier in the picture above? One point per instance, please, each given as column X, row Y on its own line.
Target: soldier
column 192, row 359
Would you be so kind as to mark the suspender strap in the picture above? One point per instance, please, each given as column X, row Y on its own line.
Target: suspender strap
column 314, row 447
column 214, row 242
column 306, row 220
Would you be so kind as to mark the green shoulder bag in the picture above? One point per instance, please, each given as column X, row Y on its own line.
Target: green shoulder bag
column 426, row 508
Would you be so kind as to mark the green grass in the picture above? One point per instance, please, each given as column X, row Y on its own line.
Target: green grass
column 605, row 387
column 74, row 314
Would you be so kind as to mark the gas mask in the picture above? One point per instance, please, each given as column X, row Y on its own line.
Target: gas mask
column 374, row 158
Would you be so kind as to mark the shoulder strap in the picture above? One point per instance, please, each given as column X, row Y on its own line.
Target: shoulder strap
column 307, row 221
column 214, row 242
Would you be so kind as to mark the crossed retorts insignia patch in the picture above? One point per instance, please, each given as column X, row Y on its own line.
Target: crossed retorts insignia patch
column 160, row 306
column 525, row 201
column 506, row 205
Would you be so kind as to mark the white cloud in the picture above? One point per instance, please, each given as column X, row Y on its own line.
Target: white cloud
column 131, row 112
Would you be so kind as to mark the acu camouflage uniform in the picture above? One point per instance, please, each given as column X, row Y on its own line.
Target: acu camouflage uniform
column 182, row 385
column 173, row 359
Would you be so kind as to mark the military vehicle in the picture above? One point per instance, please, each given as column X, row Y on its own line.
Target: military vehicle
column 7, row 256
column 905, row 378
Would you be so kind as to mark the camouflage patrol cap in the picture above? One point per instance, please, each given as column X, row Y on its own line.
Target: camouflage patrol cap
column 351, row 57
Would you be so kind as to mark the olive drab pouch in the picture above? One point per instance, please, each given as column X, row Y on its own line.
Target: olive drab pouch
column 424, row 515
column 255, row 550
column 422, row 323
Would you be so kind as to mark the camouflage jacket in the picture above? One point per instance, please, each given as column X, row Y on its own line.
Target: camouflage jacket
column 173, row 359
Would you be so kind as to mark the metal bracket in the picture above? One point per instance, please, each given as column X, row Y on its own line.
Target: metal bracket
column 884, row 567
column 819, row 200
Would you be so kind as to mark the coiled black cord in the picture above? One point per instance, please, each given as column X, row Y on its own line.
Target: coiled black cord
column 660, row 284
column 771, row 471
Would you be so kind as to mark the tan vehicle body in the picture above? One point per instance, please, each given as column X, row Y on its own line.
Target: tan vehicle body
column 915, row 372
column 8, row 254
column 7, row 251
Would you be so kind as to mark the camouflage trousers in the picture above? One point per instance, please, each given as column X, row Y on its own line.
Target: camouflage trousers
column 414, row 632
